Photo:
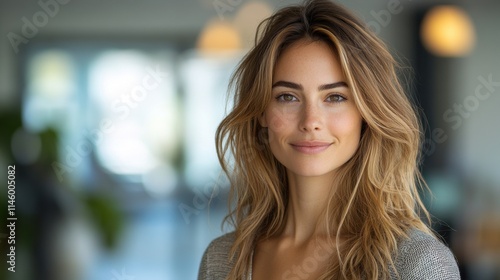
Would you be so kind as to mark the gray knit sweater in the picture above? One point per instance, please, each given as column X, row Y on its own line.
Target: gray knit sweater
column 420, row 257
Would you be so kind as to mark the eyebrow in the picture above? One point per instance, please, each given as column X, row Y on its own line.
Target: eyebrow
column 300, row 87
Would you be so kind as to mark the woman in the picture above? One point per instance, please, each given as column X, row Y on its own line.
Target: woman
column 324, row 145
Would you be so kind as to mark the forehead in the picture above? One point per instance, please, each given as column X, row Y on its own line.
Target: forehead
column 308, row 61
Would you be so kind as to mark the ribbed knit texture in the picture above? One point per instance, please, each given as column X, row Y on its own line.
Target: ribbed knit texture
column 420, row 257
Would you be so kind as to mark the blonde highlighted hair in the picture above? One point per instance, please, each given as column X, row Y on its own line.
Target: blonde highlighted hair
column 376, row 201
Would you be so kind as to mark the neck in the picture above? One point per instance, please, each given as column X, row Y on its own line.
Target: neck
column 307, row 200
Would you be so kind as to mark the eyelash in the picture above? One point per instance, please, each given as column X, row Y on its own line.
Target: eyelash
column 280, row 98
column 342, row 98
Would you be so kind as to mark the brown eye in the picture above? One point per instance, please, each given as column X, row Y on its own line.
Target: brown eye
column 335, row 98
column 286, row 98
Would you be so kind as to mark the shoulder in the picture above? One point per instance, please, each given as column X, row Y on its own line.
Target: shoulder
column 215, row 263
column 422, row 256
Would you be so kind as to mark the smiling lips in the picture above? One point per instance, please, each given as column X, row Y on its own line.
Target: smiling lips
column 310, row 147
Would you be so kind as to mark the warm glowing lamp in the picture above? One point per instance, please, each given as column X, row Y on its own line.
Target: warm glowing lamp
column 248, row 18
column 219, row 36
column 447, row 31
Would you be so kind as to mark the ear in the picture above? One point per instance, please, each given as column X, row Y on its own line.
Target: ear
column 262, row 120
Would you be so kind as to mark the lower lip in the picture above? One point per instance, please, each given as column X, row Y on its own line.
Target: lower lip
column 310, row 149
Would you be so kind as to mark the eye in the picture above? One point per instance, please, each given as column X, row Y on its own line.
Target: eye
column 335, row 98
column 285, row 97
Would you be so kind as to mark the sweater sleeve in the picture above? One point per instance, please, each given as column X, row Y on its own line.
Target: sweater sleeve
column 424, row 257
column 215, row 263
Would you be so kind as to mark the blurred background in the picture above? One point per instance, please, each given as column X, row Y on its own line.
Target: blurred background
column 108, row 111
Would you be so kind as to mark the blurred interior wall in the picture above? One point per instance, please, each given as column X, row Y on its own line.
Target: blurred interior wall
column 470, row 122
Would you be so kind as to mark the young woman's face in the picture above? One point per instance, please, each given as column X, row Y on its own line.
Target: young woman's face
column 314, row 126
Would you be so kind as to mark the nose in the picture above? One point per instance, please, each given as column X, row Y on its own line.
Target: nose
column 311, row 118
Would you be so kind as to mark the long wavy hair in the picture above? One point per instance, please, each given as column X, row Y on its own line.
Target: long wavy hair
column 376, row 202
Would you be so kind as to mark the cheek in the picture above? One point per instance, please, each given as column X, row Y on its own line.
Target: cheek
column 276, row 128
column 276, row 123
column 348, row 125
column 280, row 118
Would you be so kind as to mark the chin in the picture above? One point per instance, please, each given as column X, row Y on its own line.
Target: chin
column 309, row 171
